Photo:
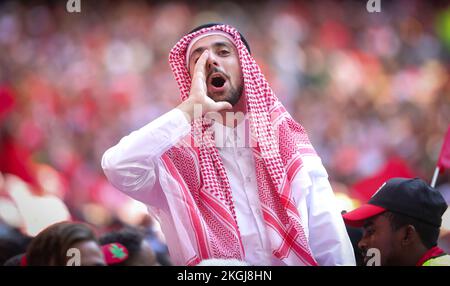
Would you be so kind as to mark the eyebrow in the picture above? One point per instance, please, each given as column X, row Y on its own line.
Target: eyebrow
column 215, row 45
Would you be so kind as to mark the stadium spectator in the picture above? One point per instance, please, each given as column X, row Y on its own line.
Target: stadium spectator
column 52, row 246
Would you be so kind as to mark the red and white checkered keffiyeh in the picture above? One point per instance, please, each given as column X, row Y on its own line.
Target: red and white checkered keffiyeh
column 203, row 191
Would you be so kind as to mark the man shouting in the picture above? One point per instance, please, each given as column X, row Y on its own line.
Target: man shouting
column 228, row 172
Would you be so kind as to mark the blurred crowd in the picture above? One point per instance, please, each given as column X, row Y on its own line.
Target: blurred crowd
column 371, row 89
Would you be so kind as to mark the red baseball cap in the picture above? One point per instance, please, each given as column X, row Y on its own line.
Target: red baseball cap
column 410, row 197
column 357, row 217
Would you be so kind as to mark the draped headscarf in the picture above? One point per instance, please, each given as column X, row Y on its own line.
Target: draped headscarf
column 203, row 191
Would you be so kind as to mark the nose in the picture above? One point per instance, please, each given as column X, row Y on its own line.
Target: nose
column 211, row 62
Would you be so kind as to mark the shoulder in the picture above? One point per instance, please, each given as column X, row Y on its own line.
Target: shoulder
column 443, row 260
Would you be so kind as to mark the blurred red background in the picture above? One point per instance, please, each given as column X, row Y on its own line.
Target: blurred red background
column 371, row 89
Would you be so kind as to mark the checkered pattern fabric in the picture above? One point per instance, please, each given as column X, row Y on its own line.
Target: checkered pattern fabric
column 281, row 144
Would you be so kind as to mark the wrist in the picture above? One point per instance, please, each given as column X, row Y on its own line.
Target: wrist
column 188, row 109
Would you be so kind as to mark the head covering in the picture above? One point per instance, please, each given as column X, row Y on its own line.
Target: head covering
column 209, row 25
column 205, row 214
column 409, row 197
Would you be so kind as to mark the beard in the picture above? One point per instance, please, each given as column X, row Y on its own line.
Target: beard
column 232, row 95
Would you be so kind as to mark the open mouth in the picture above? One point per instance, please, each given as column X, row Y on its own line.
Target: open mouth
column 217, row 80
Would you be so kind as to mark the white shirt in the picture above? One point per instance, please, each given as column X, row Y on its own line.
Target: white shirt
column 134, row 167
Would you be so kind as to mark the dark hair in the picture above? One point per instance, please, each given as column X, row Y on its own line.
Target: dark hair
column 12, row 242
column 428, row 233
column 129, row 237
column 50, row 246
column 215, row 24
column 15, row 260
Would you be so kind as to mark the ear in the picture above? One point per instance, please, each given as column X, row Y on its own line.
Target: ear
column 409, row 235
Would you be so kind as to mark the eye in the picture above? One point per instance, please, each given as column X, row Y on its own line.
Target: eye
column 224, row 52
column 369, row 231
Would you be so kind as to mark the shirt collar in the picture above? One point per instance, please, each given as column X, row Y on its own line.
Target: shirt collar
column 432, row 252
column 226, row 136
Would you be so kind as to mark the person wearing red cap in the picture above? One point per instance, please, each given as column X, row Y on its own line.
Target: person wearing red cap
column 402, row 221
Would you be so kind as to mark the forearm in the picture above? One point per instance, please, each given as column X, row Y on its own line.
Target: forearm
column 129, row 163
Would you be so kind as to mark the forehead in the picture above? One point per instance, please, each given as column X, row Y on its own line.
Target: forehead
column 210, row 41
column 89, row 248
column 378, row 221
column 91, row 254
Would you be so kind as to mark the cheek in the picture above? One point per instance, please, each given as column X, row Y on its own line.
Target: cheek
column 378, row 240
column 385, row 244
column 235, row 71
column 237, row 77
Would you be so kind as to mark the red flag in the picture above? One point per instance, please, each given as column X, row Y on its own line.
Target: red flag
column 395, row 167
column 444, row 157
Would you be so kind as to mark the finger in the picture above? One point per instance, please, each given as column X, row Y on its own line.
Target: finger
column 199, row 69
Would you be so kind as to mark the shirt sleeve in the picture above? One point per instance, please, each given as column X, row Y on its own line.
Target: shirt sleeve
column 327, row 235
column 130, row 165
